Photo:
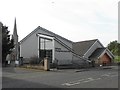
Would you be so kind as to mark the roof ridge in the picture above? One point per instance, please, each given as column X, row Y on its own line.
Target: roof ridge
column 86, row 41
column 55, row 34
column 29, row 35
column 39, row 27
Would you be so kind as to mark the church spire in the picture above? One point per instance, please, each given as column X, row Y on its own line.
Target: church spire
column 15, row 37
column 15, row 29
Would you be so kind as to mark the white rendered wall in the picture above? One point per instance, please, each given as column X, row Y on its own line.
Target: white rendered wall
column 29, row 47
column 63, row 57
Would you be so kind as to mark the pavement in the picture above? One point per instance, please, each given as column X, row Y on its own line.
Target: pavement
column 103, row 77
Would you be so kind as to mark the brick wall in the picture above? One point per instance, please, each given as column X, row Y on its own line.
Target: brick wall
column 105, row 59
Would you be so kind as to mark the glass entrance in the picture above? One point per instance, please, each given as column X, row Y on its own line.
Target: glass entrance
column 45, row 49
column 46, row 53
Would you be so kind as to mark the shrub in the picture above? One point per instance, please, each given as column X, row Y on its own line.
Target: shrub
column 117, row 59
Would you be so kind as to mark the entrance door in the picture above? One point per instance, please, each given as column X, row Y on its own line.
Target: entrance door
column 46, row 53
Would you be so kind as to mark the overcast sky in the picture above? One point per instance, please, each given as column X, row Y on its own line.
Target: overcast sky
column 76, row 20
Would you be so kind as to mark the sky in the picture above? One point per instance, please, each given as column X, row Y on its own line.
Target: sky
column 76, row 20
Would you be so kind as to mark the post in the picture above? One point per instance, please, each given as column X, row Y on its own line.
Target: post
column 1, row 54
column 46, row 64
column 53, row 50
column 1, row 43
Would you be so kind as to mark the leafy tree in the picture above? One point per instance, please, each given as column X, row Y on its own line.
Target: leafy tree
column 114, row 47
column 7, row 43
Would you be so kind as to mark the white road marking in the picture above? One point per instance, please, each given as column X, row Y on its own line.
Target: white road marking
column 73, row 82
column 109, row 75
column 114, row 75
column 89, row 79
column 80, row 81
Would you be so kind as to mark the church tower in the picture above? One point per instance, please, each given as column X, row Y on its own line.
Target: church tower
column 16, row 44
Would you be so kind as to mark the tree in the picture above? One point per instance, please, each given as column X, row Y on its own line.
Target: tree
column 7, row 44
column 114, row 47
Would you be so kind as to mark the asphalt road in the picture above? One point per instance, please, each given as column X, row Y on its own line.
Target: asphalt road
column 65, row 78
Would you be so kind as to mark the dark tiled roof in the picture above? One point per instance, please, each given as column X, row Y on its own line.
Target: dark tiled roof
column 82, row 47
column 97, row 53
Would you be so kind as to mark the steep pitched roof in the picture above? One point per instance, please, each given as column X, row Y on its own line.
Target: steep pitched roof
column 97, row 53
column 15, row 29
column 82, row 47
column 41, row 28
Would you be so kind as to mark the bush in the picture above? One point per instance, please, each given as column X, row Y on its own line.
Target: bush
column 34, row 60
column 117, row 59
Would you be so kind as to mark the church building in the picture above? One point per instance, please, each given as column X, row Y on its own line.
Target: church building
column 14, row 56
column 43, row 43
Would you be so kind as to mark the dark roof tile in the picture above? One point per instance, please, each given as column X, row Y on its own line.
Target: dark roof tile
column 82, row 47
column 97, row 53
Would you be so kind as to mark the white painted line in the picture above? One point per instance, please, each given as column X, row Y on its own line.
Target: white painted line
column 107, row 75
column 90, row 79
column 110, row 75
column 80, row 81
column 114, row 76
column 73, row 82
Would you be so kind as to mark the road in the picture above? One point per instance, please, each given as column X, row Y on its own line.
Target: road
column 64, row 78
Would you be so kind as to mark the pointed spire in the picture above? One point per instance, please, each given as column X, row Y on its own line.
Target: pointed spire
column 15, row 29
column 15, row 37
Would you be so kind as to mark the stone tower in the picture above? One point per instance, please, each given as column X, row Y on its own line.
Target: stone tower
column 15, row 37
